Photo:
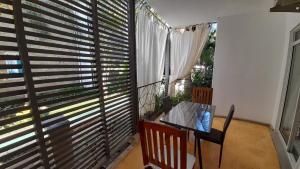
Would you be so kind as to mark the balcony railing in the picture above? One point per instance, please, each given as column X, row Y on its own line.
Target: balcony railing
column 151, row 100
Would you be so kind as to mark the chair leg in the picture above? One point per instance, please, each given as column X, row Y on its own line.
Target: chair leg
column 220, row 156
column 195, row 144
column 199, row 152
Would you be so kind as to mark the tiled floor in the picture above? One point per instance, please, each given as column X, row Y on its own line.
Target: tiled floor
column 247, row 146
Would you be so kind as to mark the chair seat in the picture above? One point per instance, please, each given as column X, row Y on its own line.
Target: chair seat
column 189, row 163
column 215, row 136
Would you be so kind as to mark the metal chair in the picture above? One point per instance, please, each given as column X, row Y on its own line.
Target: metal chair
column 215, row 136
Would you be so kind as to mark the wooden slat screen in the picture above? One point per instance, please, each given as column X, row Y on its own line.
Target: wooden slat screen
column 18, row 141
column 67, row 81
column 114, row 54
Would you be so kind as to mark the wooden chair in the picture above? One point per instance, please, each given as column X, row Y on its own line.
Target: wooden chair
column 164, row 147
column 202, row 95
column 215, row 136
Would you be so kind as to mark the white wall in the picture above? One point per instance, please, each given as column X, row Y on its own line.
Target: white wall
column 248, row 61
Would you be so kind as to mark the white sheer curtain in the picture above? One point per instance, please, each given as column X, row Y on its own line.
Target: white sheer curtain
column 150, row 44
column 151, row 39
column 186, row 48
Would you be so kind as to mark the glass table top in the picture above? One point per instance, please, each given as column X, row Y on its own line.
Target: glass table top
column 192, row 116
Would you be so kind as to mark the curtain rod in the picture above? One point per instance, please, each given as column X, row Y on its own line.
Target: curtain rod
column 186, row 27
column 146, row 5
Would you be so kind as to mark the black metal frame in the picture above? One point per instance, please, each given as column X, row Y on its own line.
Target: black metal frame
column 146, row 98
column 167, row 63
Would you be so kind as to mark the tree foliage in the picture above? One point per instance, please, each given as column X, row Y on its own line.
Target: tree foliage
column 201, row 77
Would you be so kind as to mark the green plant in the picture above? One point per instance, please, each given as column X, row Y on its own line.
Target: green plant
column 197, row 78
column 179, row 98
column 203, row 77
column 158, row 103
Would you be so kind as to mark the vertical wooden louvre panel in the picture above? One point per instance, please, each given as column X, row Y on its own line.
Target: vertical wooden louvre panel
column 82, row 86
column 114, row 54
column 67, row 91
column 18, row 142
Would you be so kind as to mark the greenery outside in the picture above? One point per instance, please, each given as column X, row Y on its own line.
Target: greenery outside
column 202, row 73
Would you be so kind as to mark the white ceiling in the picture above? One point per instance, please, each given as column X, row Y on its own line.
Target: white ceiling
column 187, row 12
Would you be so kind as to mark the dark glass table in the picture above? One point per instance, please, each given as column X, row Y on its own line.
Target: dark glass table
column 191, row 116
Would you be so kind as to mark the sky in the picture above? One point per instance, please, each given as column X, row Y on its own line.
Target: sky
column 214, row 27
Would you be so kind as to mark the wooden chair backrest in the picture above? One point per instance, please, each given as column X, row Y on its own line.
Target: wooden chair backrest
column 157, row 139
column 202, row 95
